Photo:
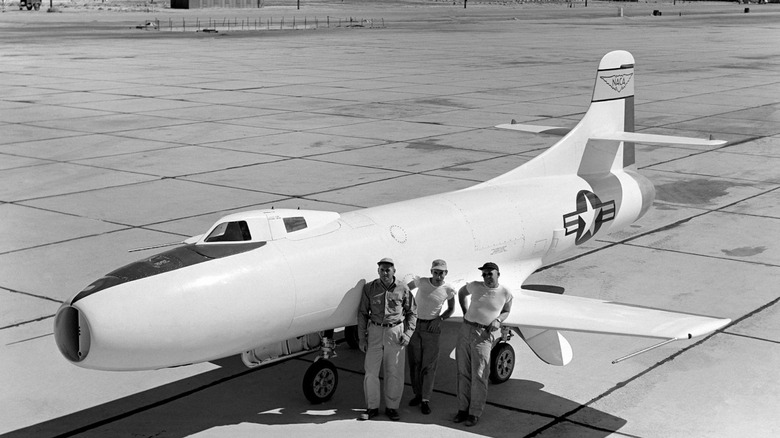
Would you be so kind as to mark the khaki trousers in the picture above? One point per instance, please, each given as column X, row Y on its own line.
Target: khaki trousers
column 473, row 356
column 384, row 350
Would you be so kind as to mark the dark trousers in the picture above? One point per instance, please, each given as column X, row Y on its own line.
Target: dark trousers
column 423, row 356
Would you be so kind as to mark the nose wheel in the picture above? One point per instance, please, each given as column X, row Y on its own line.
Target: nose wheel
column 320, row 381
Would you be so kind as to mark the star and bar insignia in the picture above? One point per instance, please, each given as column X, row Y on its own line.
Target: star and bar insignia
column 591, row 213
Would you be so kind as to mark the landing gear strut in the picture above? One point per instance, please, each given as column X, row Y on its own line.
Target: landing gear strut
column 322, row 378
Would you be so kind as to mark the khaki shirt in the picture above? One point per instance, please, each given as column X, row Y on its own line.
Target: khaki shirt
column 386, row 305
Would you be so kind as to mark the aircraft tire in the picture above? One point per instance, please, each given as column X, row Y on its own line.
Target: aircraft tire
column 351, row 336
column 502, row 362
column 320, row 381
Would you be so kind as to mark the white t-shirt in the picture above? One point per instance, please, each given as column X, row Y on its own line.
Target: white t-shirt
column 430, row 298
column 486, row 303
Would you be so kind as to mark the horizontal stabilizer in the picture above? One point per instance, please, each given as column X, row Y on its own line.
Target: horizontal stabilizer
column 570, row 313
column 535, row 129
column 634, row 137
column 637, row 137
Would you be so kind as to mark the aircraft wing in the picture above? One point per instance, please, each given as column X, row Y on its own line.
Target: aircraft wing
column 542, row 310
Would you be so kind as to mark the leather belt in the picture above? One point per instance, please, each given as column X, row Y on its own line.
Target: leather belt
column 389, row 324
column 476, row 324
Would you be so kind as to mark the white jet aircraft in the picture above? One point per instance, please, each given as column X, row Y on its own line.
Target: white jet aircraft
column 271, row 284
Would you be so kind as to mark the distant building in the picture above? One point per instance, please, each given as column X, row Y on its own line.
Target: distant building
column 202, row 4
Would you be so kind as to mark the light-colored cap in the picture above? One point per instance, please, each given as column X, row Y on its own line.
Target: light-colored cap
column 386, row 261
column 439, row 264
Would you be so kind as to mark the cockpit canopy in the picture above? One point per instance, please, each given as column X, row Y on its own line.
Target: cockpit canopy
column 236, row 231
column 267, row 225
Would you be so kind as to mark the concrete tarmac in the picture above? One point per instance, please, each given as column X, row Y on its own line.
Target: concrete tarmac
column 113, row 138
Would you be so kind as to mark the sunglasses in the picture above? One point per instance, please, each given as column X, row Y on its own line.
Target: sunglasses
column 438, row 272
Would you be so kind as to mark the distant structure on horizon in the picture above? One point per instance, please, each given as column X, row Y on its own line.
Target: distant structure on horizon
column 256, row 4
column 203, row 4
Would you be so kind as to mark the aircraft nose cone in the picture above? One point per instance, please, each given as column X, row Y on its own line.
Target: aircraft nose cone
column 71, row 333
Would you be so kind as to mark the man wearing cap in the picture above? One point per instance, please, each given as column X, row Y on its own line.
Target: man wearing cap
column 490, row 306
column 387, row 315
column 423, row 350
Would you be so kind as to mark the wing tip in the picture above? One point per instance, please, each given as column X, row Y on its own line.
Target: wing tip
column 709, row 327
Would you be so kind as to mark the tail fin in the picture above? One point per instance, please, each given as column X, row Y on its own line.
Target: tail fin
column 603, row 141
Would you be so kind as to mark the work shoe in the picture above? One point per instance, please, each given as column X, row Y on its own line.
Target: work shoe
column 473, row 419
column 415, row 401
column 460, row 417
column 425, row 407
column 368, row 414
column 392, row 414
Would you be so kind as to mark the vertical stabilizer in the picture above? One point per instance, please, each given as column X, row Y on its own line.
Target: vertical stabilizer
column 603, row 141
column 611, row 108
column 591, row 147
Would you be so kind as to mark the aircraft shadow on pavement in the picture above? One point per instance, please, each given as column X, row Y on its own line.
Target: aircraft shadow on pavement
column 272, row 396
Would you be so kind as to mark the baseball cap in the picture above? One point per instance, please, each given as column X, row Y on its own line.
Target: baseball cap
column 489, row 266
column 439, row 264
column 386, row 260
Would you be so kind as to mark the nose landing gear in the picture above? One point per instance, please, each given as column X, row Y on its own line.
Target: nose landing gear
column 322, row 378
column 320, row 381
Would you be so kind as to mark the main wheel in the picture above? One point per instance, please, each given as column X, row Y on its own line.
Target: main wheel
column 351, row 336
column 502, row 362
column 320, row 381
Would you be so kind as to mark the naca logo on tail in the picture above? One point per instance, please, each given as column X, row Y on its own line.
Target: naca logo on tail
column 587, row 219
column 617, row 82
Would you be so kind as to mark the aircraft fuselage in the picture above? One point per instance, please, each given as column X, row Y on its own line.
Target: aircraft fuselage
column 311, row 280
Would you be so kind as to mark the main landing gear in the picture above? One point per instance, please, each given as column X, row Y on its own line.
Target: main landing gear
column 502, row 358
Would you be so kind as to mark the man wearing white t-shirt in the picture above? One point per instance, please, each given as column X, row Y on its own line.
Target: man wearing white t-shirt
column 490, row 306
column 423, row 349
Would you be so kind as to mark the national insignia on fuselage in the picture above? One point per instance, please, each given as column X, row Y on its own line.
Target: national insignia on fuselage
column 587, row 219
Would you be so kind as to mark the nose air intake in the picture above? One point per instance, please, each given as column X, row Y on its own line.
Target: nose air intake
column 71, row 333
